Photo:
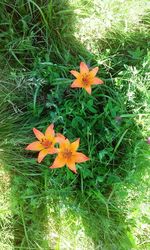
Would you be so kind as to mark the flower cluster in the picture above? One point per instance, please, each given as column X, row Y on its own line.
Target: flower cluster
column 66, row 152
column 56, row 143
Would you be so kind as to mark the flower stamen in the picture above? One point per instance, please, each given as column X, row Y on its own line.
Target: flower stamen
column 46, row 143
column 85, row 80
column 67, row 154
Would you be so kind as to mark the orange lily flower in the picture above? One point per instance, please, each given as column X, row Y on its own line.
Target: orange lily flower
column 45, row 143
column 85, row 78
column 68, row 155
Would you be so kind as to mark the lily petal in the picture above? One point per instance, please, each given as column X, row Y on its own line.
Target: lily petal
column 74, row 146
column 96, row 81
column 76, row 84
column 60, row 138
column 50, row 131
column 71, row 165
column 53, row 150
column 75, row 73
column 79, row 157
column 65, row 144
column 94, row 71
column 35, row 146
column 59, row 162
column 84, row 68
column 88, row 89
column 42, row 154
column 39, row 135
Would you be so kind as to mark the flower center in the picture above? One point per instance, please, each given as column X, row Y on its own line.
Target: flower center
column 85, row 80
column 46, row 143
column 67, row 154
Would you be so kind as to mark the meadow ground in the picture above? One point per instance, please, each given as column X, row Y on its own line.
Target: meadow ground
column 106, row 205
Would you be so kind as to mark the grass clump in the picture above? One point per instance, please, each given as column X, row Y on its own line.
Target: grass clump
column 100, row 207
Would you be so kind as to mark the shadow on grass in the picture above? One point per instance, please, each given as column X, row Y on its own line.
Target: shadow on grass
column 28, row 207
column 36, row 207
column 29, row 213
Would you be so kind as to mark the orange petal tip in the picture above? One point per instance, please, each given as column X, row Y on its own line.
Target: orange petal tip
column 52, row 167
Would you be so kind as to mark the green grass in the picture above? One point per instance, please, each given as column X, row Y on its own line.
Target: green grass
column 106, row 205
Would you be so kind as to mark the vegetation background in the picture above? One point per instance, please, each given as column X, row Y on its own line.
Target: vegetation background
column 105, row 206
